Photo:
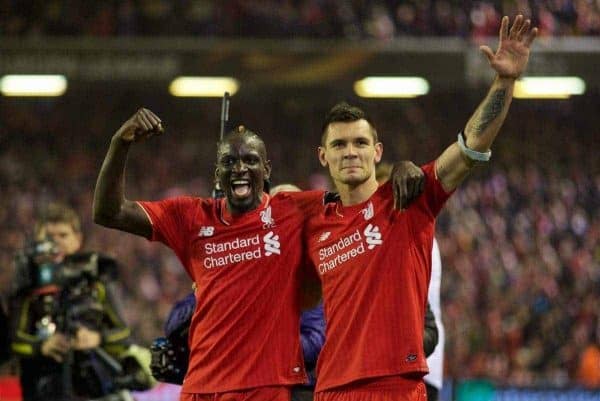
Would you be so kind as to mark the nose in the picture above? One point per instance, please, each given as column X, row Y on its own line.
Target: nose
column 350, row 152
column 240, row 166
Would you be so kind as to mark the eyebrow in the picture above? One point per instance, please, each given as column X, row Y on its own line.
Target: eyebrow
column 354, row 139
column 336, row 141
column 253, row 153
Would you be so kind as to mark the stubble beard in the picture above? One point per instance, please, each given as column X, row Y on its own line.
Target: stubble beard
column 354, row 180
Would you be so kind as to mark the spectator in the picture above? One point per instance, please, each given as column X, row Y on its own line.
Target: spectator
column 286, row 18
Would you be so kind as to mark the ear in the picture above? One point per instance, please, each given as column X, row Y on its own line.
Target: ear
column 79, row 236
column 216, row 177
column 378, row 152
column 268, row 169
column 321, row 154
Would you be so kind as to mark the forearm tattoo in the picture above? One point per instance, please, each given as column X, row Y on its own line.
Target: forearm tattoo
column 490, row 110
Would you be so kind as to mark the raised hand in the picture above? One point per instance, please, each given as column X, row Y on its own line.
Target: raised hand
column 143, row 124
column 510, row 59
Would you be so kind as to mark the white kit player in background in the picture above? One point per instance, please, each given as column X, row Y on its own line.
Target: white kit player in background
column 435, row 361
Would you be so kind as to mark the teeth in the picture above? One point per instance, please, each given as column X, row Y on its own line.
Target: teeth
column 239, row 182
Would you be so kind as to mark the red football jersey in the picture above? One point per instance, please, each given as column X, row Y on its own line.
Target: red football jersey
column 374, row 263
column 245, row 329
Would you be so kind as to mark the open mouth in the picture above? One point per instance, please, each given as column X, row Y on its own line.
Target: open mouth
column 241, row 188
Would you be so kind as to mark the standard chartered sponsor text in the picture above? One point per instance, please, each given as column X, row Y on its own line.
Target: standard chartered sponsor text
column 351, row 245
column 238, row 243
column 247, row 249
column 219, row 261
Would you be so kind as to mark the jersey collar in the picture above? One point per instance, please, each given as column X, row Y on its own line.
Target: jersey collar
column 336, row 207
column 227, row 218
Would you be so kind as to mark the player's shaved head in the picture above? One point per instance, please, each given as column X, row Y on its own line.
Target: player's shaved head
column 243, row 170
column 243, row 133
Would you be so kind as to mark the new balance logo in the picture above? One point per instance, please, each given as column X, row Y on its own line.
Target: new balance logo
column 368, row 212
column 265, row 217
column 272, row 244
column 373, row 236
column 324, row 236
column 206, row 231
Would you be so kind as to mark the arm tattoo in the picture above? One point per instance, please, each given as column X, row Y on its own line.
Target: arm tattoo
column 490, row 109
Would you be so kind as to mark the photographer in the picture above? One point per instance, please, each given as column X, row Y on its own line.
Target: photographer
column 65, row 329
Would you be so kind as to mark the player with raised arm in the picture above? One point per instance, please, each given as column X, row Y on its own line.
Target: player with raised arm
column 244, row 253
column 375, row 262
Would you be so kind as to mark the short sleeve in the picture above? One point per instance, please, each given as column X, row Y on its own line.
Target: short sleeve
column 172, row 221
column 434, row 195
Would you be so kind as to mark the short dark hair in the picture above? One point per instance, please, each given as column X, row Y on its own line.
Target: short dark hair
column 345, row 113
column 58, row 213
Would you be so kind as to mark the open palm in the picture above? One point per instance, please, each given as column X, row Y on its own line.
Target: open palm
column 512, row 54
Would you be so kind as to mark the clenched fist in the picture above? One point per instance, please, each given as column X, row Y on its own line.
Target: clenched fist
column 143, row 124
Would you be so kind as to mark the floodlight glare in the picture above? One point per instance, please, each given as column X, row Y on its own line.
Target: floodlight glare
column 391, row 87
column 548, row 87
column 203, row 86
column 33, row 85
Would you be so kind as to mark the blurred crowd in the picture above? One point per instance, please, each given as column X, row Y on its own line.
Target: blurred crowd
column 521, row 252
column 355, row 19
column 520, row 241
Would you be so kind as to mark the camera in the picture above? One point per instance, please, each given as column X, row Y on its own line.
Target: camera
column 169, row 360
column 65, row 294
column 66, row 287
column 170, row 354
column 36, row 266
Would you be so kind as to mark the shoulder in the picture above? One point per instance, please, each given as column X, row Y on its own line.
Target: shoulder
column 191, row 201
column 299, row 196
column 179, row 204
column 304, row 200
column 181, row 200
column 429, row 169
column 177, row 215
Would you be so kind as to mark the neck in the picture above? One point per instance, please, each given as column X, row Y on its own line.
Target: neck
column 239, row 210
column 355, row 194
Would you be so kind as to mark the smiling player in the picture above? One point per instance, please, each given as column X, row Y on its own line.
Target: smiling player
column 375, row 262
column 243, row 252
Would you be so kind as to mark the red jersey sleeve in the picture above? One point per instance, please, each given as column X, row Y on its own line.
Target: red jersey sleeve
column 307, row 201
column 434, row 195
column 171, row 221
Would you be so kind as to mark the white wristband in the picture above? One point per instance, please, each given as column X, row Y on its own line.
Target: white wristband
column 472, row 154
